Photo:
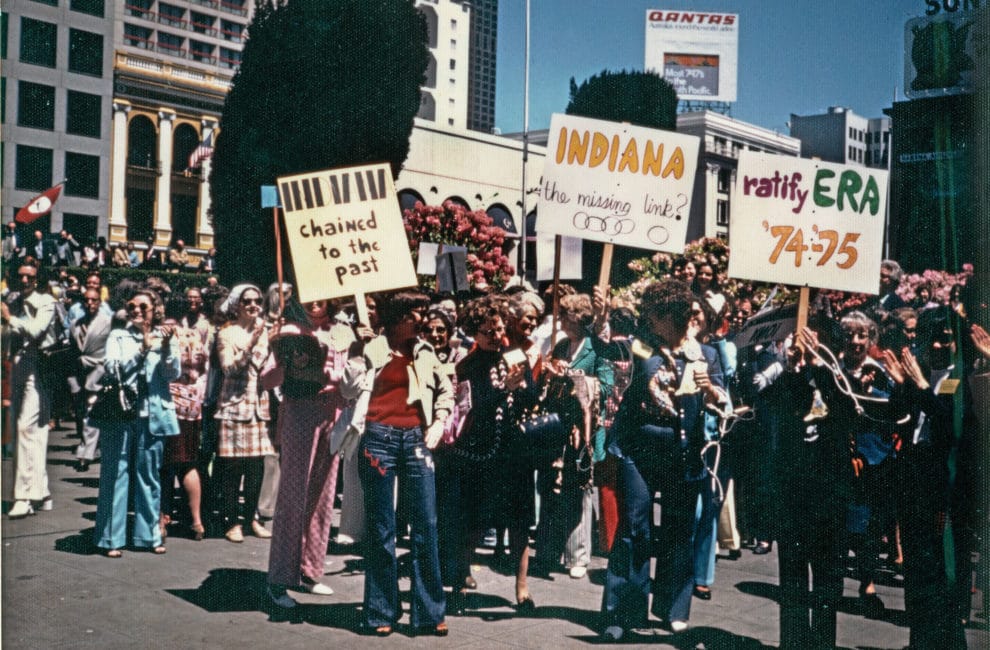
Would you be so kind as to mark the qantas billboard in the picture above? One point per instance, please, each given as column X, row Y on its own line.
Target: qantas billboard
column 696, row 51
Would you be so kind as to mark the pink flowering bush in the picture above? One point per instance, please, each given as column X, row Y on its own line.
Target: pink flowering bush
column 454, row 224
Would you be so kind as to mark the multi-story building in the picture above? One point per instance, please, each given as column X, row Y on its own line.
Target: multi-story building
column 722, row 138
column 173, row 66
column 841, row 136
column 460, row 81
column 57, row 86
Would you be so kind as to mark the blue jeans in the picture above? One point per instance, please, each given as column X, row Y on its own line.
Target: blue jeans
column 129, row 450
column 388, row 453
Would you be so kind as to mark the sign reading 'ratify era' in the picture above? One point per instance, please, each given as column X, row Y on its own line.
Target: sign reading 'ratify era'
column 345, row 232
column 808, row 223
column 617, row 183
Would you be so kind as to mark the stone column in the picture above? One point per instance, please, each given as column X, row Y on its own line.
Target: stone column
column 118, row 172
column 204, row 229
column 163, row 188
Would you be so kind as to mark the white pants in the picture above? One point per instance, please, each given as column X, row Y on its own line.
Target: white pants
column 31, row 408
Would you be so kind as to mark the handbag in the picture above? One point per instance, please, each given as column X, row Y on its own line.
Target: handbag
column 115, row 401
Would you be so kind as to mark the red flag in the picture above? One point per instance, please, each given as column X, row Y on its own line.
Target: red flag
column 39, row 205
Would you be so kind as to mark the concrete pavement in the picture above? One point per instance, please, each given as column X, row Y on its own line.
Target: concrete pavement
column 57, row 592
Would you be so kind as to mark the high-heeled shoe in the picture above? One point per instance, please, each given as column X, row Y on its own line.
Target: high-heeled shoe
column 198, row 532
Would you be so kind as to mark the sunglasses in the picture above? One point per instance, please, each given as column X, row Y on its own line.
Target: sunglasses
column 250, row 301
column 435, row 330
column 138, row 306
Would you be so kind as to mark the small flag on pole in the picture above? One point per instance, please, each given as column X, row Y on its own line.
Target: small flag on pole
column 203, row 152
column 39, row 205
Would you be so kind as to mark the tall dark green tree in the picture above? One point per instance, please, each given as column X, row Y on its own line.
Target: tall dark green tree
column 639, row 98
column 321, row 85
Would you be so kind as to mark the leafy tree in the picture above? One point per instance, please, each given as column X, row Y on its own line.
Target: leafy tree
column 321, row 85
column 639, row 98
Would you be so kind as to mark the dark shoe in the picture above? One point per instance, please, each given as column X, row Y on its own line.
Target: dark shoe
column 198, row 532
column 735, row 554
column 762, row 548
column 526, row 604
column 82, row 465
column 440, row 629
column 702, row 592
column 872, row 606
column 470, row 583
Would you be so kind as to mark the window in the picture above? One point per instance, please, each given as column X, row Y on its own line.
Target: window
column 136, row 36
column 139, row 9
column 171, row 44
column 229, row 58
column 82, row 173
column 86, row 52
column 724, row 179
column 36, row 105
column 91, row 7
column 3, row 35
column 203, row 23
column 722, row 213
column 82, row 226
column 34, row 168
column 53, row 3
column 231, row 31
column 453, row 64
column 38, row 42
column 852, row 154
column 202, row 52
column 83, row 113
column 171, row 15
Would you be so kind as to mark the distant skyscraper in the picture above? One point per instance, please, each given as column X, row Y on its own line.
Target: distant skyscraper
column 481, row 74
column 841, row 136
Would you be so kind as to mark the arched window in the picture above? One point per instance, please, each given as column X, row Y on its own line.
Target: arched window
column 459, row 201
column 431, row 24
column 502, row 218
column 408, row 199
column 142, row 143
column 431, row 73
column 427, row 106
column 184, row 140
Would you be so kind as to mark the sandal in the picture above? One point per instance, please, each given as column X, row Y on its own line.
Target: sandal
column 159, row 550
column 198, row 531
column 113, row 553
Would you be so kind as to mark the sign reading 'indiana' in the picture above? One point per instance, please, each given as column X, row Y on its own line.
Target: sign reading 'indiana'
column 617, row 183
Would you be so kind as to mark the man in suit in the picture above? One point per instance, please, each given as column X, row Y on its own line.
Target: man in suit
column 43, row 249
column 66, row 249
column 89, row 335
column 11, row 244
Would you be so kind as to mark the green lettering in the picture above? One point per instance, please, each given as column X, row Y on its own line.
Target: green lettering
column 822, row 191
column 849, row 184
column 871, row 197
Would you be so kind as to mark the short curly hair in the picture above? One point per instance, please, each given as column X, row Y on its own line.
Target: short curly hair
column 475, row 313
column 579, row 306
column 672, row 298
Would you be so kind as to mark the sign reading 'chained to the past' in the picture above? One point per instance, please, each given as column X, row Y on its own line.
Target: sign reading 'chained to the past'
column 808, row 223
column 617, row 183
column 345, row 232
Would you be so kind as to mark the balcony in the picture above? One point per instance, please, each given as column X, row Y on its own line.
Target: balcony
column 137, row 11
column 202, row 57
column 233, row 8
column 228, row 62
column 232, row 36
column 173, row 50
column 172, row 21
column 202, row 28
column 137, row 41
column 212, row 4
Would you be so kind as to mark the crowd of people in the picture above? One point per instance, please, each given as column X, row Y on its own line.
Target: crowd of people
column 526, row 421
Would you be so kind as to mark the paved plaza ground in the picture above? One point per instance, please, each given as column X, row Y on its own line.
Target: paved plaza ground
column 59, row 593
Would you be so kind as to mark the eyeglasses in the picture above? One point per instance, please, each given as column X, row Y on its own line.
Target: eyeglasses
column 435, row 330
column 138, row 306
column 250, row 301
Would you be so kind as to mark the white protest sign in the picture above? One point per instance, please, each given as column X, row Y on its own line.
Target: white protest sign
column 617, row 183
column 345, row 232
column 808, row 223
column 570, row 257
column 767, row 327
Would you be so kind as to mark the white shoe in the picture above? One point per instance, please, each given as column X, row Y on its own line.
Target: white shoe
column 279, row 598
column 578, row 572
column 20, row 509
column 344, row 540
column 317, row 588
column 45, row 505
column 678, row 626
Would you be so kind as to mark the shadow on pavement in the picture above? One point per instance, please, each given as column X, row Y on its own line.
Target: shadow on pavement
column 79, row 544
column 708, row 638
column 227, row 590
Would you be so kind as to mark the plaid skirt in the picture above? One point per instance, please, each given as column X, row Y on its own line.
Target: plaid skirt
column 244, row 439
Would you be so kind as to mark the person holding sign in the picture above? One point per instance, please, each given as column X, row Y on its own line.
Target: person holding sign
column 657, row 437
column 408, row 397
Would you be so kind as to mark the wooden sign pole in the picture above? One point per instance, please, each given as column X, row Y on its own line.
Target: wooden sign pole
column 278, row 261
column 361, row 305
column 604, row 275
column 802, row 313
column 556, row 291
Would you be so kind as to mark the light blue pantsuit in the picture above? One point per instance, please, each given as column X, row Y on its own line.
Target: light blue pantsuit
column 129, row 450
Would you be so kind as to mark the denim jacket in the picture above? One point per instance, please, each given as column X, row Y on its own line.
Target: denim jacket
column 148, row 374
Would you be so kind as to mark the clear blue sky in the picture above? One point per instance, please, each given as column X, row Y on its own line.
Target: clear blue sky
column 795, row 56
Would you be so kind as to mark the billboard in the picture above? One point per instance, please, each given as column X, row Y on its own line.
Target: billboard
column 938, row 55
column 697, row 52
column 808, row 223
column 617, row 183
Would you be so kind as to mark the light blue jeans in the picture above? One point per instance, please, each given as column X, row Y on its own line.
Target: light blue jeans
column 128, row 449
